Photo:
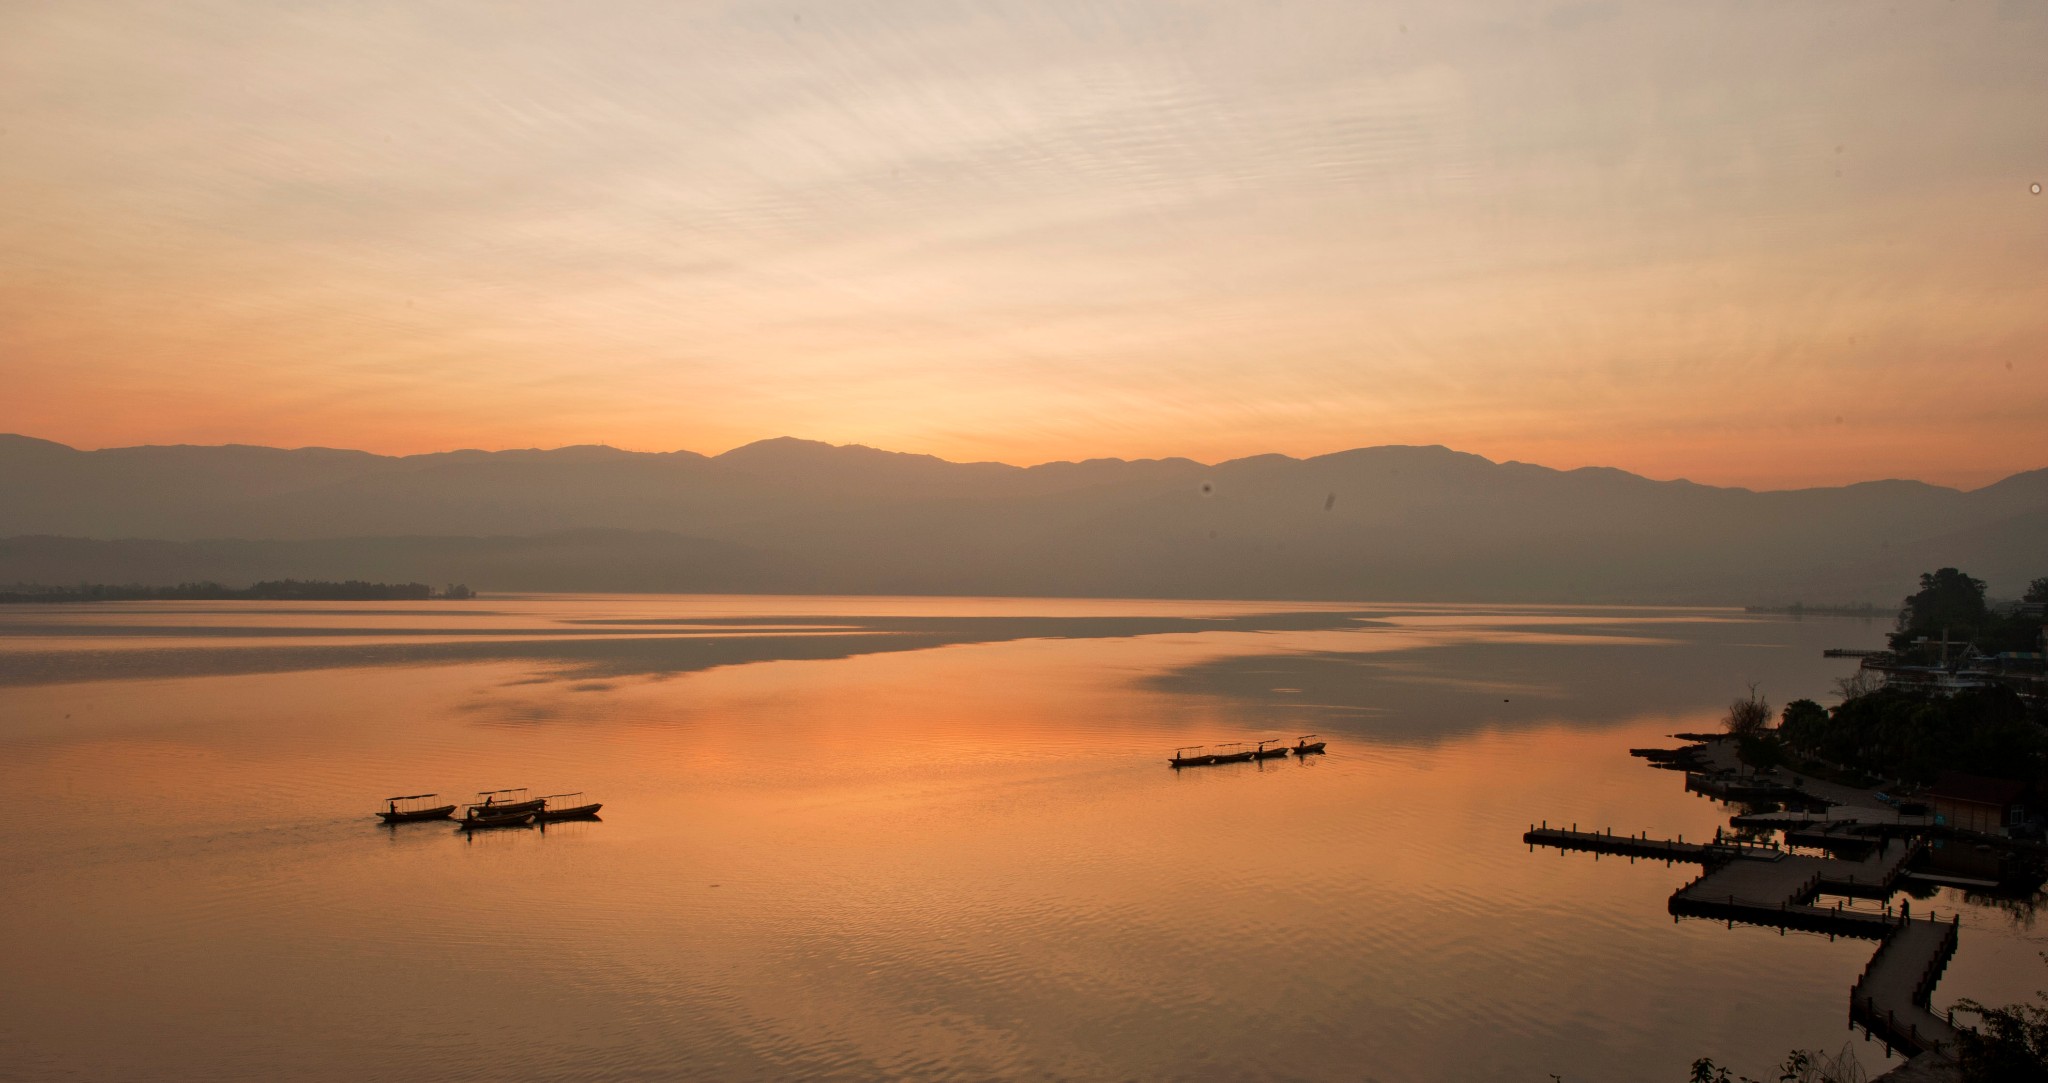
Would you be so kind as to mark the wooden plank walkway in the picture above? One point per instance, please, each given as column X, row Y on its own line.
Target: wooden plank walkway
column 1762, row 886
column 1890, row 999
column 1744, row 788
column 1841, row 838
column 1925, row 1068
column 1607, row 842
column 1756, row 884
column 1792, row 881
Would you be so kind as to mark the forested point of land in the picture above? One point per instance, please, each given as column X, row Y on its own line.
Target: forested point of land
column 1911, row 730
column 1915, row 734
column 303, row 590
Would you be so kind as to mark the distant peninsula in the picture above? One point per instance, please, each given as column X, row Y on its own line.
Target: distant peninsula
column 294, row 590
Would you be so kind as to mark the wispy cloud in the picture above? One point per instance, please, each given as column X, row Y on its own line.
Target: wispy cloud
column 1574, row 232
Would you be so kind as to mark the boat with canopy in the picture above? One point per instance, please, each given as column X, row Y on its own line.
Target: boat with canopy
column 476, row 822
column 413, row 809
column 1242, row 755
column 501, row 802
column 570, row 812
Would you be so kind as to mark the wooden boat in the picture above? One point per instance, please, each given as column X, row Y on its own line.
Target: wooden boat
column 503, row 809
column 1264, row 753
column 475, row 822
column 1235, row 757
column 392, row 814
column 1302, row 747
column 574, row 812
column 1196, row 760
column 500, row 802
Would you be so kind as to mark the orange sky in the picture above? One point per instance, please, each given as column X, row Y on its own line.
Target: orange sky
column 1766, row 245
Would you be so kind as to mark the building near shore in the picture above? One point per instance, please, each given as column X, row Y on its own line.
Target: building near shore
column 1978, row 803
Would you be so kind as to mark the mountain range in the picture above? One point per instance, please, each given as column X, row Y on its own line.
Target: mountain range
column 787, row 515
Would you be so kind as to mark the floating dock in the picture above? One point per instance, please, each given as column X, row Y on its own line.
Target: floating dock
column 1607, row 842
column 1747, row 789
column 1841, row 838
column 1890, row 1000
column 1761, row 885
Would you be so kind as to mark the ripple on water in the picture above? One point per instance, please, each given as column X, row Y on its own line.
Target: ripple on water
column 957, row 864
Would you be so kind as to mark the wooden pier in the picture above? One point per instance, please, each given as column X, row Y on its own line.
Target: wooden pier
column 1890, row 1000
column 1607, row 842
column 1842, row 837
column 1794, row 879
column 1761, row 885
column 1746, row 789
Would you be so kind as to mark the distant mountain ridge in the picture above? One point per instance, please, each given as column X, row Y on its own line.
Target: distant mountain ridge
column 1392, row 522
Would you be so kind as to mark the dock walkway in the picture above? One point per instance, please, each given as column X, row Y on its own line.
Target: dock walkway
column 1607, row 842
column 1793, row 880
column 1765, row 886
column 1843, row 837
column 1719, row 756
column 1890, row 999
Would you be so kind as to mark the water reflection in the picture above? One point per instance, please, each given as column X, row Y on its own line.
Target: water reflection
column 1448, row 681
column 957, row 855
column 2020, row 909
column 122, row 643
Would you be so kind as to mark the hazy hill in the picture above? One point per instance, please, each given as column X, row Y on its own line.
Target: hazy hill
column 1385, row 522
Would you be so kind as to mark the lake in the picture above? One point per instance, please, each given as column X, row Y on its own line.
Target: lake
column 871, row 838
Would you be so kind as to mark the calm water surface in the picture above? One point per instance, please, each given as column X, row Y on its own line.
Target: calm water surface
column 870, row 838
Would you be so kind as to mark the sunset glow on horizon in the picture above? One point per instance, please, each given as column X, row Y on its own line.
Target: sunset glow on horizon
column 1756, row 245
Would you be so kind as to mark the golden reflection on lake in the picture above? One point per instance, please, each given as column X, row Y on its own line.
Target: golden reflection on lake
column 887, row 838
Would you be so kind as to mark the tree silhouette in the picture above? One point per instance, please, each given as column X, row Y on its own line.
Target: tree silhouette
column 1948, row 602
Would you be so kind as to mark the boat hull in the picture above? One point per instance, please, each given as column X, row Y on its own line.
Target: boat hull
column 508, row 810
column 441, row 813
column 485, row 823
column 580, row 812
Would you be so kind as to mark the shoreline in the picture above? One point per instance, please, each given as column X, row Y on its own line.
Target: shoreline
column 1871, row 852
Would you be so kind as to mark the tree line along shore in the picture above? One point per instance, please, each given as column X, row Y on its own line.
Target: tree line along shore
column 1960, row 688
column 1951, row 717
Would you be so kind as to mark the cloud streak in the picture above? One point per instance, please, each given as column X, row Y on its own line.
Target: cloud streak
column 1679, row 241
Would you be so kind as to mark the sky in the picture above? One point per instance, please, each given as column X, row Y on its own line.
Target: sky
column 1762, row 244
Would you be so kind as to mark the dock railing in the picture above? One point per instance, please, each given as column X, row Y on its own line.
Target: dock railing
column 1882, row 1020
column 1890, row 1004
